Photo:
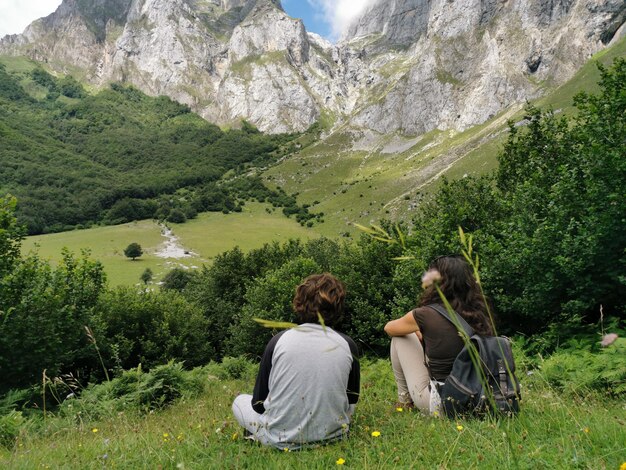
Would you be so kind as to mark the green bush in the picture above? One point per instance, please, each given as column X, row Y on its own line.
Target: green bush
column 165, row 384
column 177, row 216
column 584, row 371
column 233, row 368
column 44, row 311
column 135, row 390
column 10, row 426
column 269, row 298
column 150, row 328
column 176, row 279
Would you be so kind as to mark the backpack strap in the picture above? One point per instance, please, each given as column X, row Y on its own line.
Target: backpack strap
column 459, row 320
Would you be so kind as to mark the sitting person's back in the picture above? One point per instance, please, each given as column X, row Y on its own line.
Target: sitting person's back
column 308, row 380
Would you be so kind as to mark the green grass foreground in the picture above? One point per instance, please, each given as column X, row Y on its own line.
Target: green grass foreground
column 552, row 431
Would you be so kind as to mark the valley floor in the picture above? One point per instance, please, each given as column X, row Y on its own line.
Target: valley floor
column 205, row 237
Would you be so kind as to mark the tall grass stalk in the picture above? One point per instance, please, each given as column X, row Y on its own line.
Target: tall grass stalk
column 474, row 261
column 44, row 379
column 93, row 341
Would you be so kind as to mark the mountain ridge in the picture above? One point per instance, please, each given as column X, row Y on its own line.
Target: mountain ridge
column 408, row 66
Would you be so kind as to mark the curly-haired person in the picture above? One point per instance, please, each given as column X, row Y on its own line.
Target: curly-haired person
column 308, row 380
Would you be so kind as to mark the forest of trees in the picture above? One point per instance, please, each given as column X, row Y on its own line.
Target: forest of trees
column 74, row 159
column 548, row 226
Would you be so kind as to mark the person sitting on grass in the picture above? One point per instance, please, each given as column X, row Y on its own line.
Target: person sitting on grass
column 424, row 344
column 309, row 377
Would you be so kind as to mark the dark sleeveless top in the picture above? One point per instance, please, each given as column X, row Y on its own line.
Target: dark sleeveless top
column 441, row 340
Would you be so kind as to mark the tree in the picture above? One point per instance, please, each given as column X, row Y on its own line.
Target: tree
column 177, row 279
column 11, row 234
column 151, row 328
column 177, row 216
column 133, row 251
column 147, row 276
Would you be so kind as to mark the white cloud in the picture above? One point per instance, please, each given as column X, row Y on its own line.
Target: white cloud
column 15, row 15
column 340, row 13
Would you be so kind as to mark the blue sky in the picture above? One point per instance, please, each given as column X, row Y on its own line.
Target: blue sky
column 313, row 18
column 327, row 18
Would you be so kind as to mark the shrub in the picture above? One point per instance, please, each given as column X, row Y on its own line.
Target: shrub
column 583, row 371
column 176, row 279
column 151, row 328
column 46, row 310
column 234, row 368
column 177, row 216
column 269, row 298
column 165, row 384
column 10, row 425
column 135, row 390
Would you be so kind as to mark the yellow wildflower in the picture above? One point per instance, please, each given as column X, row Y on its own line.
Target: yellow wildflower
column 459, row 427
column 166, row 434
column 586, row 430
column 340, row 461
column 286, row 449
column 399, row 409
column 622, row 466
column 375, row 433
column 94, row 430
column 235, row 436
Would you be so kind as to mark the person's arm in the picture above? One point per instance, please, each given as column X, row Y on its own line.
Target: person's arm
column 261, row 387
column 403, row 326
column 354, row 379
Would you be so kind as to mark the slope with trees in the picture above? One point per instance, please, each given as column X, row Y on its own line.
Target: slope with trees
column 74, row 159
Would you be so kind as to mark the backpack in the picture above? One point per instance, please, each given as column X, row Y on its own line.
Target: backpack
column 463, row 393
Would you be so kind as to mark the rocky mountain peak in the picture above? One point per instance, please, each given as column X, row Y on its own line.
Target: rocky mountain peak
column 252, row 37
column 406, row 66
column 399, row 22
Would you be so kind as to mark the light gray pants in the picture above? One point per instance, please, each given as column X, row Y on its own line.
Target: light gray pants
column 253, row 422
column 411, row 374
column 249, row 419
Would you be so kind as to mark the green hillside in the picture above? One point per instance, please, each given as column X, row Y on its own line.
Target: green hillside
column 357, row 176
column 74, row 159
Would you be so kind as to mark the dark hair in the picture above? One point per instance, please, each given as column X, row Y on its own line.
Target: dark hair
column 320, row 293
column 462, row 291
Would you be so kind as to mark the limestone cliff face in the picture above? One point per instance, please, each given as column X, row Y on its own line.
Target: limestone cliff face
column 405, row 65
column 452, row 64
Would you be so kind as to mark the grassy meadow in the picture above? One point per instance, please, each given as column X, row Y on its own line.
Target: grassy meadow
column 205, row 237
column 552, row 431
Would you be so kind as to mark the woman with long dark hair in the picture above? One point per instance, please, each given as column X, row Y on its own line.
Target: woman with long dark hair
column 424, row 344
